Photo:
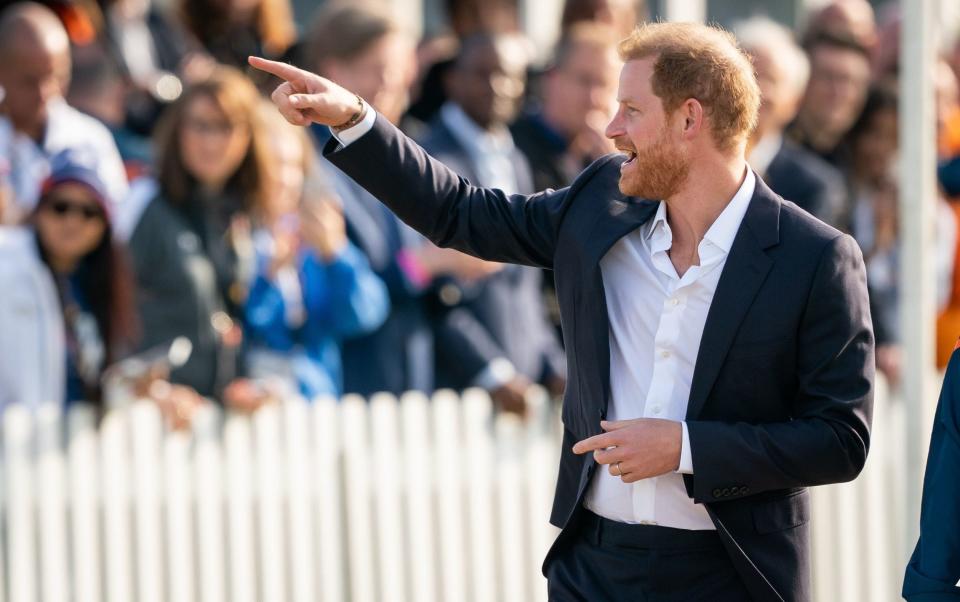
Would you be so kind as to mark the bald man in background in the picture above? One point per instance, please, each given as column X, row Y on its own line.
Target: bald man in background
column 35, row 120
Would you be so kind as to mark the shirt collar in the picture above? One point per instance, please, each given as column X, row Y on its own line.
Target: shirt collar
column 723, row 230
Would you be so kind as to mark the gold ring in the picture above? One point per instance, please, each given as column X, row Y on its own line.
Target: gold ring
column 619, row 470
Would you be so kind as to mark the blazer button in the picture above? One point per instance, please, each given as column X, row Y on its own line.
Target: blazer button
column 716, row 493
column 725, row 492
column 745, row 490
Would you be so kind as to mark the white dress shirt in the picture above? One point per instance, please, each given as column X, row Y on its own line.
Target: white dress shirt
column 656, row 323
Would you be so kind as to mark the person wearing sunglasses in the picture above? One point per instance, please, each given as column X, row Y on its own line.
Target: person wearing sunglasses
column 66, row 312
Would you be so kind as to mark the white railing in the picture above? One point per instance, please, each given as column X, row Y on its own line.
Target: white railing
column 420, row 500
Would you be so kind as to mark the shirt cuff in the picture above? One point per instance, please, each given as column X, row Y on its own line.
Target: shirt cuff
column 497, row 373
column 686, row 458
column 352, row 134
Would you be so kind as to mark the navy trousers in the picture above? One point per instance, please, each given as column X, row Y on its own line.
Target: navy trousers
column 602, row 560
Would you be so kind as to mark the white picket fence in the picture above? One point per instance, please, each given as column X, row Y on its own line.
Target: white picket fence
column 420, row 500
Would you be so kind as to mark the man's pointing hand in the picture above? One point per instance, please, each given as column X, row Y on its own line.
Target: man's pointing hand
column 305, row 97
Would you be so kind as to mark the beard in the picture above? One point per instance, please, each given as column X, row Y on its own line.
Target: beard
column 656, row 172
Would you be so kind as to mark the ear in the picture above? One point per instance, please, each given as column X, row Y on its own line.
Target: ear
column 690, row 114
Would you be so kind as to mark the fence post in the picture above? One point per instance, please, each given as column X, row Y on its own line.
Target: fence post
column 208, row 484
column 115, row 471
column 480, row 482
column 300, row 516
column 52, row 505
column 177, row 470
column 18, row 443
column 387, row 465
column 270, row 493
column 84, row 486
column 328, row 480
column 419, row 482
column 358, row 474
column 451, row 517
column 242, row 551
column 146, row 428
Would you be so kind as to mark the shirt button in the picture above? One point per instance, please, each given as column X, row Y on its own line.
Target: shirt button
column 674, row 301
column 664, row 354
column 656, row 409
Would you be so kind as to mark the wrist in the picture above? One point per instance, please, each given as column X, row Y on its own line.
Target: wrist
column 355, row 116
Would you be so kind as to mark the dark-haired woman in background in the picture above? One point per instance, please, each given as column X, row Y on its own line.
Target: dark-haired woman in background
column 67, row 307
column 190, row 246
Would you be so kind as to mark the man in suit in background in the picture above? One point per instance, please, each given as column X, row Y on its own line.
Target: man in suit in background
column 790, row 170
column 561, row 132
column 719, row 347
column 491, row 333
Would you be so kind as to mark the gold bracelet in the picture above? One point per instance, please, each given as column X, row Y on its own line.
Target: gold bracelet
column 354, row 119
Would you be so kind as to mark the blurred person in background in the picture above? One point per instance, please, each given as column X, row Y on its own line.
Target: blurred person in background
column 361, row 46
column 68, row 315
column 791, row 171
column 845, row 19
column 621, row 15
column 190, row 242
column 312, row 288
column 834, row 97
column 231, row 30
column 67, row 310
column 493, row 333
column 562, row 131
column 154, row 55
column 35, row 120
column 98, row 88
column 874, row 223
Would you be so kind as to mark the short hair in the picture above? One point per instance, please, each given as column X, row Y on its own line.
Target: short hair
column 582, row 34
column 762, row 33
column 702, row 62
column 842, row 42
column 345, row 31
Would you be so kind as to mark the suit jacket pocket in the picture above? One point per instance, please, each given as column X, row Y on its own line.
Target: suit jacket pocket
column 782, row 513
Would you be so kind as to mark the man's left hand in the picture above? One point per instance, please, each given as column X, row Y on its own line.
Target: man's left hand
column 636, row 449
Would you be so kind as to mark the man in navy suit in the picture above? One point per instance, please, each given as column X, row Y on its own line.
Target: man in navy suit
column 719, row 347
column 933, row 574
column 492, row 333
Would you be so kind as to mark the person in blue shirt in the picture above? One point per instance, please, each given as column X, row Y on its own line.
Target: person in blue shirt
column 312, row 288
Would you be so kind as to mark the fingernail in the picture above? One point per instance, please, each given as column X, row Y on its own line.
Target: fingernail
column 294, row 100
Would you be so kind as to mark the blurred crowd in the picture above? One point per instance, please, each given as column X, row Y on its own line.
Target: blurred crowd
column 167, row 235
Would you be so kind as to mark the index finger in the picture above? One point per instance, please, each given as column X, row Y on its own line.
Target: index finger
column 601, row 441
column 281, row 70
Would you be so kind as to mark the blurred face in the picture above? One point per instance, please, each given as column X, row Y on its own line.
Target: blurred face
column 839, row 78
column 31, row 78
column 875, row 149
column 212, row 145
column 487, row 85
column 70, row 223
column 778, row 94
column 382, row 74
column 586, row 83
column 657, row 161
column 288, row 175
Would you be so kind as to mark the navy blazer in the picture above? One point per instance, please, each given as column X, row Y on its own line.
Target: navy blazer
column 782, row 391
column 501, row 316
column 933, row 574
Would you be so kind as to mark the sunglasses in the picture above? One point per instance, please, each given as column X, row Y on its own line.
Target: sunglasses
column 62, row 208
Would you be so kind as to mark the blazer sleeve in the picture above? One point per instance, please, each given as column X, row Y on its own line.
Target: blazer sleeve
column 827, row 439
column 934, row 569
column 445, row 208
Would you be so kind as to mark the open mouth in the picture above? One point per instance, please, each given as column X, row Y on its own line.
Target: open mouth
column 631, row 156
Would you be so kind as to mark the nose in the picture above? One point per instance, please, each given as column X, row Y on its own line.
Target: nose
column 615, row 127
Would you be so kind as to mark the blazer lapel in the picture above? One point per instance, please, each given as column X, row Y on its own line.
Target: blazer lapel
column 619, row 218
column 743, row 274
